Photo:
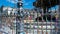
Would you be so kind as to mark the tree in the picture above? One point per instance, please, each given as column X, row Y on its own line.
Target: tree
column 45, row 4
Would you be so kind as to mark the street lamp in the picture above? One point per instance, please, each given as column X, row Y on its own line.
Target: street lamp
column 19, row 18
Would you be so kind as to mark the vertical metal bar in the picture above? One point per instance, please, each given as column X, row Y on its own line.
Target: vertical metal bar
column 46, row 20
column 26, row 28
column 37, row 21
column 51, row 25
column 42, row 22
column 56, row 19
column 42, row 18
column 51, row 21
column 29, row 22
column 33, row 21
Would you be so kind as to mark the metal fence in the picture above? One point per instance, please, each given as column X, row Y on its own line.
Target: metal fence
column 33, row 23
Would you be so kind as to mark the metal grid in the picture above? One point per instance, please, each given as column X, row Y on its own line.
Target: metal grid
column 29, row 25
column 42, row 27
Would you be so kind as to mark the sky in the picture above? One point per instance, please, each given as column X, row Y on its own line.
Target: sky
column 6, row 3
column 27, row 4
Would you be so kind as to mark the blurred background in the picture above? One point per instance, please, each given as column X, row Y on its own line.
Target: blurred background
column 29, row 16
